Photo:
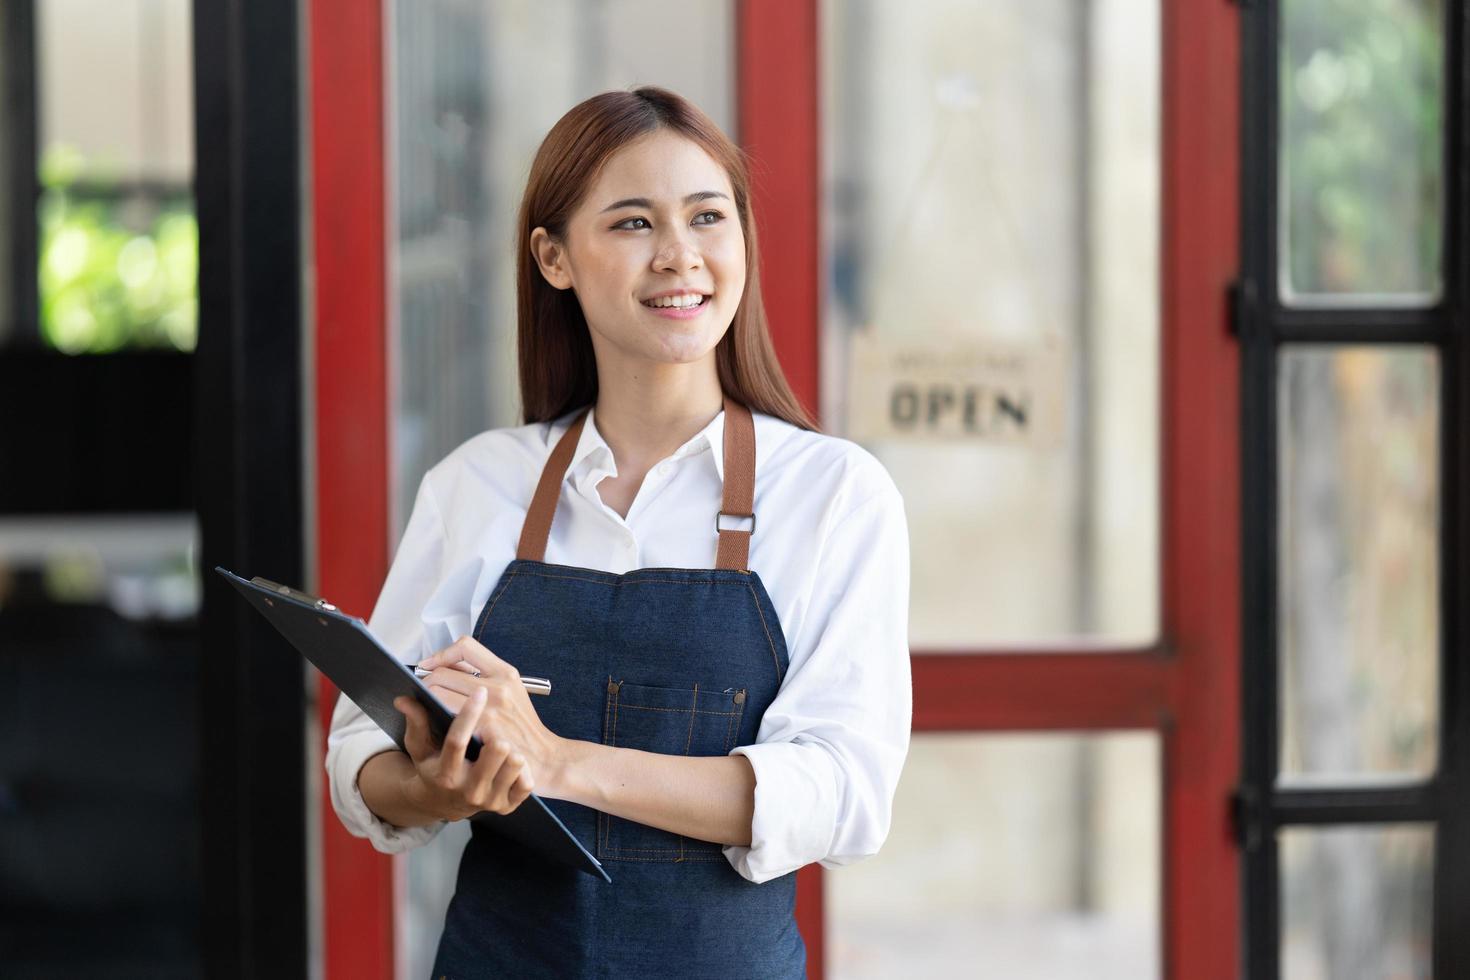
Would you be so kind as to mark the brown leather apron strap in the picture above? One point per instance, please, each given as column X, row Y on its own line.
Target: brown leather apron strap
column 738, row 501
column 537, row 529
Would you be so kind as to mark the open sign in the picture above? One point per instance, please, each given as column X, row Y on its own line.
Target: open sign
column 979, row 409
column 969, row 389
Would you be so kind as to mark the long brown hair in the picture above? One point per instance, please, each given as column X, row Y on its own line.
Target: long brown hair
column 558, row 370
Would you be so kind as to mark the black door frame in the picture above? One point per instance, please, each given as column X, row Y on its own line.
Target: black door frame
column 248, row 479
column 1263, row 325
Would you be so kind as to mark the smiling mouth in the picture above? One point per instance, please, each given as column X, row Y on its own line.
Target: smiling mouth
column 703, row 301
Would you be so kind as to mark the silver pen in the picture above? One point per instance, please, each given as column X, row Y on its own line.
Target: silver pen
column 533, row 685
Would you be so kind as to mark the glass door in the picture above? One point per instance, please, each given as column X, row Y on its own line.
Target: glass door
column 1023, row 236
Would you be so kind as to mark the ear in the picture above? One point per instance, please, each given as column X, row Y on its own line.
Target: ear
column 551, row 257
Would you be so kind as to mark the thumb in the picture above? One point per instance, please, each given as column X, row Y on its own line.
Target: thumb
column 416, row 740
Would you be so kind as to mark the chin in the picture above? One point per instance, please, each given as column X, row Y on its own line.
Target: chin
column 674, row 347
column 684, row 355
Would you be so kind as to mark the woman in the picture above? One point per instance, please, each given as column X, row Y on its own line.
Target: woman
column 730, row 694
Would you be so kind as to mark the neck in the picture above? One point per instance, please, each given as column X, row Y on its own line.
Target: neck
column 647, row 412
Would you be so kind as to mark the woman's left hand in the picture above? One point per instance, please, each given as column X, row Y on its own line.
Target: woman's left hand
column 508, row 715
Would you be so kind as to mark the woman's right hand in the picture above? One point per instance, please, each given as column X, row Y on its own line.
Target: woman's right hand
column 449, row 785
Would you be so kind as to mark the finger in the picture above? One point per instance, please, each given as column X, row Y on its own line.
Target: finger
column 452, row 700
column 433, row 660
column 468, row 649
column 416, row 740
column 508, row 774
column 520, row 790
column 487, row 770
column 458, row 739
column 457, row 681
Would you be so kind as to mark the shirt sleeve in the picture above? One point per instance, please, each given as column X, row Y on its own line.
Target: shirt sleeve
column 396, row 622
column 832, row 744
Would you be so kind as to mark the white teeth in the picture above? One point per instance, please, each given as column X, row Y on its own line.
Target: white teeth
column 681, row 302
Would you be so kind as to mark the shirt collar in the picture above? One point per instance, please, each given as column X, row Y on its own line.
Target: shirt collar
column 594, row 456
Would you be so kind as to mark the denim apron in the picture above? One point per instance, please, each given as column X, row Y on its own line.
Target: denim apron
column 680, row 661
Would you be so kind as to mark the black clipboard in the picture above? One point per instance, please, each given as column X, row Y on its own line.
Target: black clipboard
column 341, row 647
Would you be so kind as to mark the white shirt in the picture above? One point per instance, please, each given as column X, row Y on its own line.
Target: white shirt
column 831, row 546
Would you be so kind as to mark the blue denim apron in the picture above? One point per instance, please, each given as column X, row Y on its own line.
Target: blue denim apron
column 680, row 661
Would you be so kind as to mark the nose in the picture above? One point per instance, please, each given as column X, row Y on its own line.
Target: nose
column 676, row 253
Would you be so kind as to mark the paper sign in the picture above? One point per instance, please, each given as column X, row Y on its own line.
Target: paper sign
column 975, row 390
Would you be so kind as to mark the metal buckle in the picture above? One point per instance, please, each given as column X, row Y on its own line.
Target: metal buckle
column 721, row 514
column 296, row 594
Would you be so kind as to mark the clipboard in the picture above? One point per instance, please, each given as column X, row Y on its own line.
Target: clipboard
column 341, row 647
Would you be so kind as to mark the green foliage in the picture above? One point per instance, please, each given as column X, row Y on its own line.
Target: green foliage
column 115, row 271
column 1362, row 105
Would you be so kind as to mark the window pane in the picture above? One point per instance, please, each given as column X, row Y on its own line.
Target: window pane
column 991, row 315
column 102, row 843
column 1016, row 856
column 464, row 126
column 119, row 245
column 1359, row 516
column 1356, row 902
column 116, row 87
column 1362, row 116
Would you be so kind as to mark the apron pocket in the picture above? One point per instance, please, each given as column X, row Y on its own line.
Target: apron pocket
column 692, row 721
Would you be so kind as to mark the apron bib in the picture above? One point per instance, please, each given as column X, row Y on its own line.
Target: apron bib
column 679, row 661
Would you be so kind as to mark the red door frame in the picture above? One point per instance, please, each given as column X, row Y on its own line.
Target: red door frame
column 348, row 209
column 1186, row 686
column 776, row 46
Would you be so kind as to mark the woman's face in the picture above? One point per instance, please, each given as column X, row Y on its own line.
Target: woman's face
column 659, row 220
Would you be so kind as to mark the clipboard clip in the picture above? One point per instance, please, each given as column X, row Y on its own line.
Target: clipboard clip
column 296, row 594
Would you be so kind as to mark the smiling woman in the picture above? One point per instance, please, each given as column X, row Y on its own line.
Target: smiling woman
column 729, row 707
column 601, row 230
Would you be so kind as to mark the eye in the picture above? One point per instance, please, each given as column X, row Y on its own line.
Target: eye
column 717, row 216
column 620, row 224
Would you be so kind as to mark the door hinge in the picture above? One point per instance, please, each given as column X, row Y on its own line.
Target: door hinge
column 1240, row 306
column 1245, row 817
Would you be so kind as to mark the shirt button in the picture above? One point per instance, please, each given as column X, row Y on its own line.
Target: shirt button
column 664, row 469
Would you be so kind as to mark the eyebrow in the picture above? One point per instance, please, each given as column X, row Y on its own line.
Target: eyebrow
column 643, row 202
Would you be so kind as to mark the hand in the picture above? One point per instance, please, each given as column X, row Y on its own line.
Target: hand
column 447, row 784
column 508, row 713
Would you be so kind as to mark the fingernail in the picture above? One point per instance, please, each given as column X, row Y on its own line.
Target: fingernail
column 481, row 693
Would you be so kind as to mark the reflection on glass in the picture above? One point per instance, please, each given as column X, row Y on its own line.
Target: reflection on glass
column 1009, row 856
column 102, row 830
column 465, row 127
column 990, row 326
column 465, row 123
column 118, row 269
column 118, row 242
column 1362, row 116
column 1356, row 902
column 1359, row 573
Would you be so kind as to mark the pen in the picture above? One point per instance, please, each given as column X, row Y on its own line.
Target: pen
column 533, row 685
